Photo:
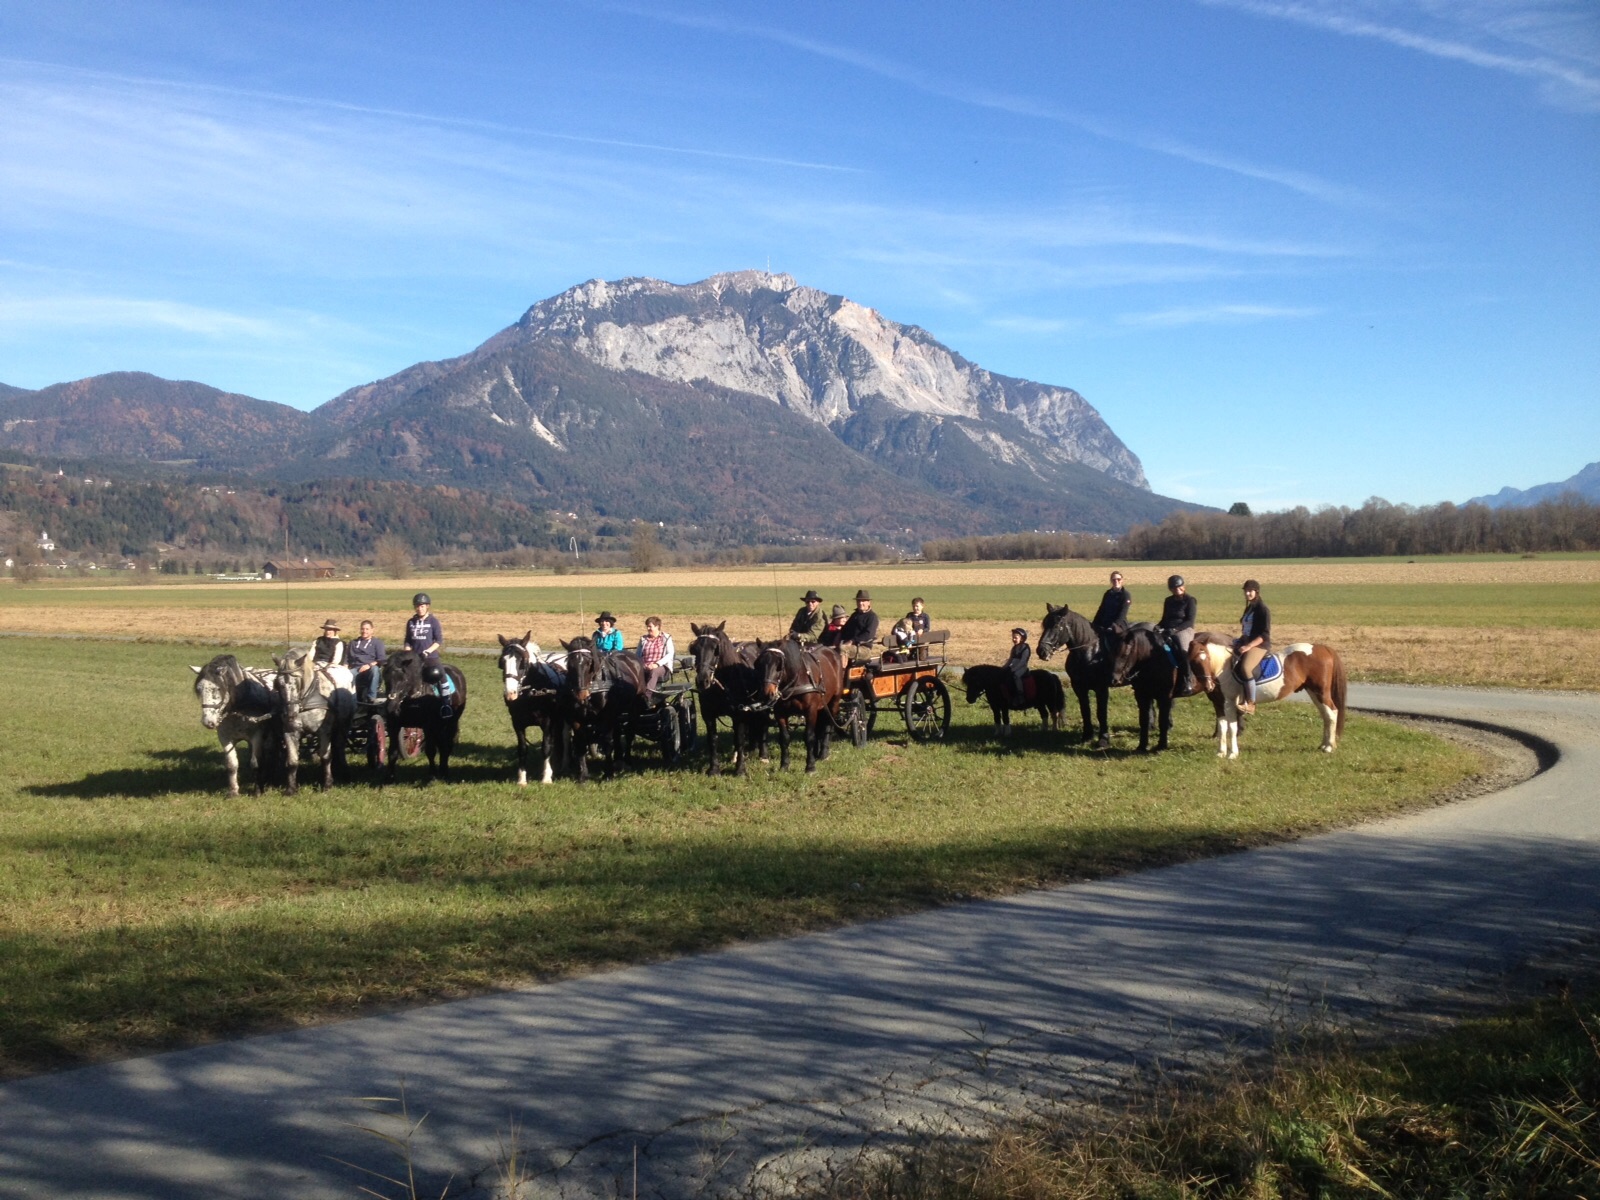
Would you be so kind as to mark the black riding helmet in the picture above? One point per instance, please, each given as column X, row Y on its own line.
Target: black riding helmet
column 1175, row 581
column 421, row 598
column 432, row 673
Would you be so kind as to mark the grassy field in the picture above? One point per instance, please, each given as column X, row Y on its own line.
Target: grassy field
column 1455, row 620
column 139, row 907
column 1505, row 1106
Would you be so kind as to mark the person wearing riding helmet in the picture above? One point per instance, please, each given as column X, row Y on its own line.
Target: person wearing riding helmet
column 1254, row 641
column 1017, row 664
column 424, row 634
column 1112, row 614
column 1178, row 613
column 607, row 637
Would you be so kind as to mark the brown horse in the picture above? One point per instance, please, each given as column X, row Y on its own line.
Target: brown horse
column 1317, row 670
column 804, row 682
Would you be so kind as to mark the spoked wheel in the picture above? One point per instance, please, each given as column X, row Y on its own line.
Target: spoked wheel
column 859, row 720
column 927, row 710
column 377, row 742
column 670, row 734
column 410, row 742
column 688, row 730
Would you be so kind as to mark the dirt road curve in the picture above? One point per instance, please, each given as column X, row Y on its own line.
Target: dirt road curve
column 716, row 1065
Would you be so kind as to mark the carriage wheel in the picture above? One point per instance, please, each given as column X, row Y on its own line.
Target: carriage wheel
column 377, row 742
column 857, row 720
column 688, row 730
column 927, row 710
column 670, row 735
column 410, row 742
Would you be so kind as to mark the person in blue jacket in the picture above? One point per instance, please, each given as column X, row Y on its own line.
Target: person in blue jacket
column 607, row 637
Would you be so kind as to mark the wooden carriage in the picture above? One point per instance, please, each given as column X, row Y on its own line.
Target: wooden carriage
column 908, row 680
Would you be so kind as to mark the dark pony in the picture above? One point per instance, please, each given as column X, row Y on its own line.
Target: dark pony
column 725, row 680
column 801, row 682
column 989, row 682
column 412, row 704
column 1090, row 659
column 607, row 690
column 536, row 694
column 1144, row 663
column 241, row 707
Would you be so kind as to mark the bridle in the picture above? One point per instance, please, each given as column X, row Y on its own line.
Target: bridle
column 515, row 660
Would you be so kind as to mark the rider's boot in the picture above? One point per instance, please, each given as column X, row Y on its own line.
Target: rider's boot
column 1247, row 703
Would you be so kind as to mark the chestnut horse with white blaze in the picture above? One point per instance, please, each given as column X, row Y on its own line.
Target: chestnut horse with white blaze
column 1315, row 669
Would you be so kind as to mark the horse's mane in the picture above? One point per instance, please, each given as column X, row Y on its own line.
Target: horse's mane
column 793, row 658
column 223, row 670
column 1079, row 631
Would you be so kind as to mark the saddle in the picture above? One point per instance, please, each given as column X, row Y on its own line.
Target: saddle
column 1030, row 689
column 1268, row 669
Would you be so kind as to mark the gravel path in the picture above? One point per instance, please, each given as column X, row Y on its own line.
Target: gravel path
column 772, row 1057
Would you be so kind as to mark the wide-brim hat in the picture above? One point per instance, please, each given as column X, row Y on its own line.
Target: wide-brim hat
column 838, row 611
column 605, row 616
column 811, row 595
column 330, row 623
column 863, row 594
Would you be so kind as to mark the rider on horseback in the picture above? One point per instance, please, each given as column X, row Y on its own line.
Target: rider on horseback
column 1111, row 618
column 1254, row 642
column 1178, row 614
column 1017, row 665
column 424, row 634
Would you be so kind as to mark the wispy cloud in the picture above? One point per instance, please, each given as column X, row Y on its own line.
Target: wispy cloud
column 1303, row 182
column 36, row 314
column 1557, row 44
column 1215, row 314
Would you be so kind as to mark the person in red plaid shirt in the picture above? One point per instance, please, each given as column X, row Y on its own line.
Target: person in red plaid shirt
column 656, row 652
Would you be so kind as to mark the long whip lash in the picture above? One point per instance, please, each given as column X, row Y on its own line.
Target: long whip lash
column 777, row 605
column 286, row 581
column 577, row 568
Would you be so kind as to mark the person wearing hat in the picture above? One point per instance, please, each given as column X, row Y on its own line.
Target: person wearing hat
column 366, row 655
column 862, row 627
column 1253, row 643
column 607, row 637
column 830, row 635
column 424, row 634
column 1178, row 613
column 328, row 650
column 1017, row 664
column 808, row 625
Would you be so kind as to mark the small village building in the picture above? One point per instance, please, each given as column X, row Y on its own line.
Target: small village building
column 305, row 568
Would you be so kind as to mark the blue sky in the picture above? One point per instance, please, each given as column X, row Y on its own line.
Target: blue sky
column 1296, row 252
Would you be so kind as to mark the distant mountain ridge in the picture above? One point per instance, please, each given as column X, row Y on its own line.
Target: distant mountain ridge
column 745, row 401
column 1585, row 483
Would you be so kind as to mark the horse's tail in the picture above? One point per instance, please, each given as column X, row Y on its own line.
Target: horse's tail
column 1336, row 690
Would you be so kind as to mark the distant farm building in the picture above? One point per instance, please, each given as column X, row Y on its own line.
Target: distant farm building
column 306, row 568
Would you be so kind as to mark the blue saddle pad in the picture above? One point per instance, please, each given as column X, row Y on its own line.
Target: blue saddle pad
column 447, row 688
column 1270, row 668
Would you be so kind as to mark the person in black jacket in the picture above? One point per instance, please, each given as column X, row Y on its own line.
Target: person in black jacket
column 1017, row 664
column 1254, row 641
column 1112, row 615
column 862, row 627
column 1178, row 613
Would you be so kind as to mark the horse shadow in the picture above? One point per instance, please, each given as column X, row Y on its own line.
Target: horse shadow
column 195, row 769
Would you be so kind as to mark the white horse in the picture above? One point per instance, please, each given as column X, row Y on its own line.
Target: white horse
column 240, row 704
column 317, row 699
column 1316, row 669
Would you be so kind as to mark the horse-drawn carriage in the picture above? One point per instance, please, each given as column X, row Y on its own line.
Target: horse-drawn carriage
column 908, row 680
column 667, row 715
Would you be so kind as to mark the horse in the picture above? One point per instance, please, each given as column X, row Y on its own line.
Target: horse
column 607, row 688
column 240, row 706
column 992, row 683
column 1143, row 663
column 725, row 680
column 1316, row 669
column 413, row 704
column 1089, row 662
column 536, row 693
column 801, row 682
column 315, row 701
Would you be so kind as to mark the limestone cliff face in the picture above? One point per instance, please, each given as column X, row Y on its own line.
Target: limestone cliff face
column 822, row 356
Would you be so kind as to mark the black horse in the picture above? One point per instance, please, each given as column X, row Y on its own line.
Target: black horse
column 729, row 688
column 536, row 694
column 1145, row 663
column 1090, row 659
column 989, row 682
column 414, row 703
column 608, row 690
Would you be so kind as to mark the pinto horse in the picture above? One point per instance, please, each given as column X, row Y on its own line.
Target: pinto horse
column 241, row 706
column 802, row 682
column 1143, row 662
column 413, row 704
column 607, row 688
column 1089, row 662
column 989, row 682
column 536, row 694
column 725, row 680
column 1315, row 669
